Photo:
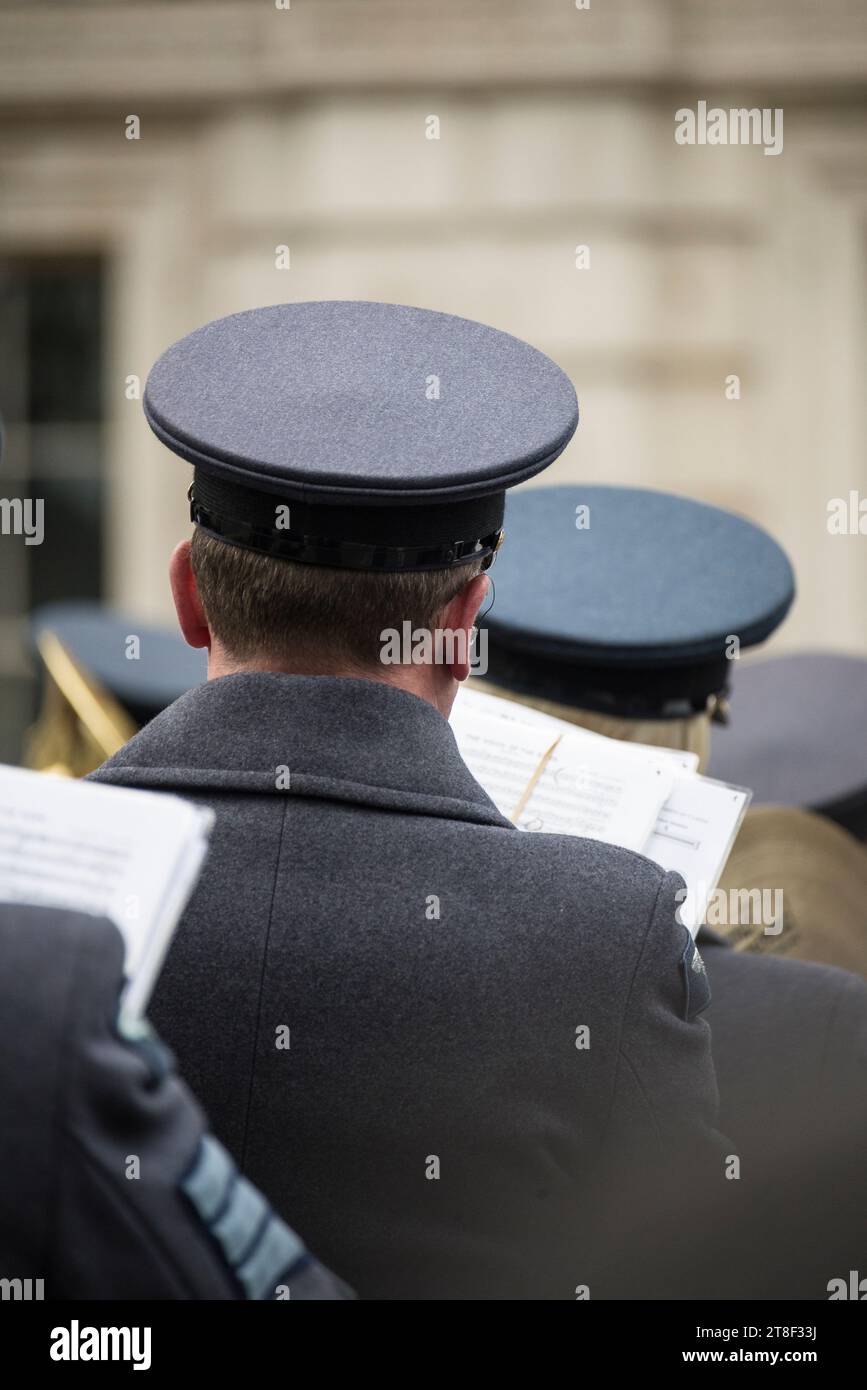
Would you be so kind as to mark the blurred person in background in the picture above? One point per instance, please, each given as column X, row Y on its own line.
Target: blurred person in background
column 113, row 1187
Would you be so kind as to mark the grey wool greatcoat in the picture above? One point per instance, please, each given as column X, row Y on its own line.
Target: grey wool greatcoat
column 433, row 1041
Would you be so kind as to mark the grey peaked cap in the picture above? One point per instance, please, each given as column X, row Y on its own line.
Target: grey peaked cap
column 328, row 401
column 633, row 615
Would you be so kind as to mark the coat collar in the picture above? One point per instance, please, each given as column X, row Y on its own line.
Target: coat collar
column 348, row 740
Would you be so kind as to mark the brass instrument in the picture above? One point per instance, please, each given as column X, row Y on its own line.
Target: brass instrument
column 80, row 723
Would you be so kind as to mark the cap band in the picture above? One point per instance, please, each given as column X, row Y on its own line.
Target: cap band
column 358, row 537
column 675, row 691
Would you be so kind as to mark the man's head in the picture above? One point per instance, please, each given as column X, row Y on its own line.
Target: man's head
column 257, row 612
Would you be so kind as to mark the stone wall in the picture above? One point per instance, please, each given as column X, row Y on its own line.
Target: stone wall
column 307, row 128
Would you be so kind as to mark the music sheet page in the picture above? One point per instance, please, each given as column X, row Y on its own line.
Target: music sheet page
column 131, row 856
column 694, row 835
column 548, row 775
column 588, row 788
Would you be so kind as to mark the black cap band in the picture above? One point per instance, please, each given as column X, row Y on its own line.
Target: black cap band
column 625, row 691
column 435, row 536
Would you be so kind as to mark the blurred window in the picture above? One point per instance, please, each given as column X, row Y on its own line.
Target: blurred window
column 51, row 408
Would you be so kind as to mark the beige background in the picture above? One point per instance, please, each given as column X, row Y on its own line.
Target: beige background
column 262, row 127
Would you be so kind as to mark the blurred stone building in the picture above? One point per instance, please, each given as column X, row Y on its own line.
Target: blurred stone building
column 307, row 127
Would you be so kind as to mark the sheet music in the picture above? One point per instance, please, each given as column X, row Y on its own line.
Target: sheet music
column 694, row 835
column 131, row 856
column 582, row 789
column 636, row 795
column 502, row 755
column 587, row 792
column 494, row 706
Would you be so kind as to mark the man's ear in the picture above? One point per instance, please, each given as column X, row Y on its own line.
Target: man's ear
column 460, row 616
column 188, row 605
